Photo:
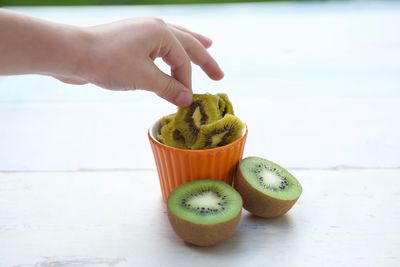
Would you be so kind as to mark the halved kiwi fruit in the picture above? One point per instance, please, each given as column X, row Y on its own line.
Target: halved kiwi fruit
column 204, row 212
column 268, row 190
column 203, row 110
column 219, row 133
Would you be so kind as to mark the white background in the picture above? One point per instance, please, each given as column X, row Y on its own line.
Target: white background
column 317, row 83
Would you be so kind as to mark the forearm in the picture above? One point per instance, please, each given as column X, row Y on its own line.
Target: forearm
column 33, row 46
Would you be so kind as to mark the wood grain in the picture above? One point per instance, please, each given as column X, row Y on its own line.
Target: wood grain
column 352, row 133
column 346, row 218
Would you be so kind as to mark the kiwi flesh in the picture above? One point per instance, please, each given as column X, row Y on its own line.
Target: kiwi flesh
column 172, row 136
column 221, row 106
column 208, row 122
column 268, row 190
column 225, row 105
column 166, row 120
column 204, row 212
column 219, row 133
column 163, row 122
column 203, row 110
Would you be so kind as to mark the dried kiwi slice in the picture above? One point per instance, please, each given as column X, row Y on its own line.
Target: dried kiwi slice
column 221, row 106
column 172, row 136
column 204, row 212
column 203, row 110
column 164, row 121
column 160, row 138
column 226, row 107
column 219, row 133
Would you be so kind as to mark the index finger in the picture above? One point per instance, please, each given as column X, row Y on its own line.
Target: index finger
column 176, row 57
column 205, row 41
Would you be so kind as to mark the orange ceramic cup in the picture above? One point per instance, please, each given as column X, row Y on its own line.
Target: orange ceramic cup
column 177, row 166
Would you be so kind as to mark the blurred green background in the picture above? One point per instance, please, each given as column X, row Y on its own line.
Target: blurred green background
column 115, row 2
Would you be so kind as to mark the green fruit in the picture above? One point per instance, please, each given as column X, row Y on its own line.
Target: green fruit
column 268, row 190
column 204, row 212
column 219, row 133
column 163, row 122
column 225, row 105
column 172, row 137
column 166, row 120
column 203, row 110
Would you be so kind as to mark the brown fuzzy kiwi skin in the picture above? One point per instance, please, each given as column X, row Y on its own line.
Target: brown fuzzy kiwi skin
column 202, row 234
column 258, row 203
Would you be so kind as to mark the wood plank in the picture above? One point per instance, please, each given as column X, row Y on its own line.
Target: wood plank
column 343, row 218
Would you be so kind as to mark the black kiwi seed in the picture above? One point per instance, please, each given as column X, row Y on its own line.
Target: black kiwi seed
column 283, row 184
column 228, row 129
column 204, row 211
column 178, row 137
column 189, row 119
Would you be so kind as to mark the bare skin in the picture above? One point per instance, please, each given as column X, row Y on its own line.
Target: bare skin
column 115, row 56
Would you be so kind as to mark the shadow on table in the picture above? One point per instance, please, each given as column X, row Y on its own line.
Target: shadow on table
column 252, row 221
column 250, row 227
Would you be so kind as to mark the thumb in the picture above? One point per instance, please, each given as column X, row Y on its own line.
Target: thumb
column 168, row 88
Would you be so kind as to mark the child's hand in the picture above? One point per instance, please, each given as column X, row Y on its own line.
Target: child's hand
column 120, row 56
column 116, row 56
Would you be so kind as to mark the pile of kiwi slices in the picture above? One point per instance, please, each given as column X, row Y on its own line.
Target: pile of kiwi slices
column 207, row 212
column 207, row 123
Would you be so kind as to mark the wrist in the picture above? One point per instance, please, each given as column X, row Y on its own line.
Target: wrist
column 71, row 52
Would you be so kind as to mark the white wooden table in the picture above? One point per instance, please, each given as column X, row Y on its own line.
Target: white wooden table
column 344, row 218
column 318, row 85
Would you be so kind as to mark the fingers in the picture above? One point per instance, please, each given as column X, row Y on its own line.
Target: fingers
column 205, row 41
column 178, row 47
column 167, row 87
column 198, row 54
column 175, row 56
